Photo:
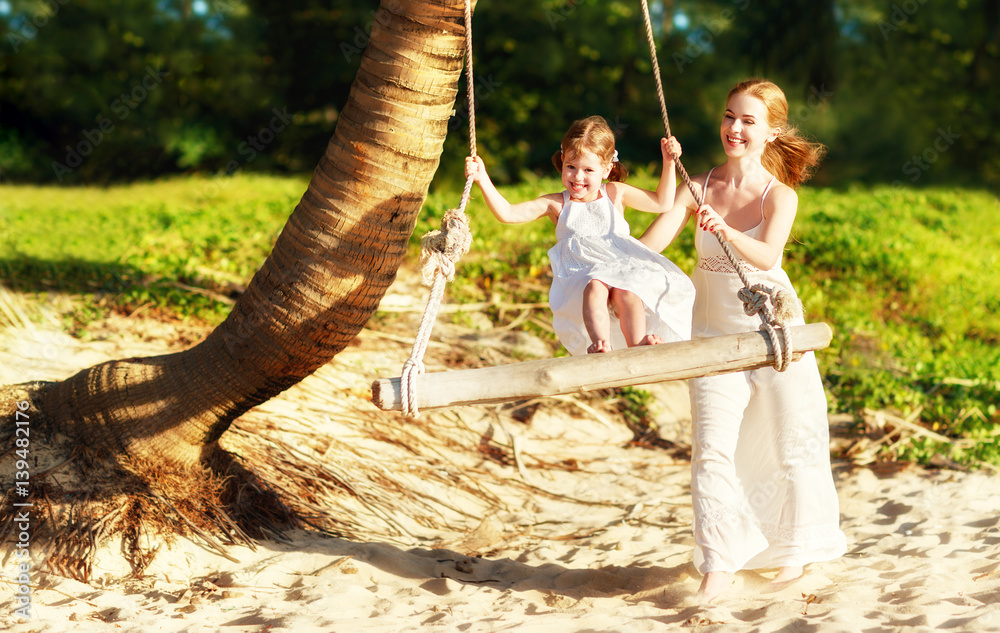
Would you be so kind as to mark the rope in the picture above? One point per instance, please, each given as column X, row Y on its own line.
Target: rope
column 754, row 298
column 441, row 249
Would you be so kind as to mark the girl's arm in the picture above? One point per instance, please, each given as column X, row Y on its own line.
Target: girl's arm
column 504, row 211
column 779, row 215
column 661, row 200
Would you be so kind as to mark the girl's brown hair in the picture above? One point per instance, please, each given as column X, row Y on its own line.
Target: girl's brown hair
column 790, row 157
column 592, row 134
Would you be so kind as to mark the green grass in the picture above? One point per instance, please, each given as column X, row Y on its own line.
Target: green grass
column 908, row 279
column 128, row 244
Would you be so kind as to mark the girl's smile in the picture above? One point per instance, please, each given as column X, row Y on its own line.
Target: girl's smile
column 582, row 175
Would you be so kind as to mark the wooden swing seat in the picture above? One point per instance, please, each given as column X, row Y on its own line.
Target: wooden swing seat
column 577, row 374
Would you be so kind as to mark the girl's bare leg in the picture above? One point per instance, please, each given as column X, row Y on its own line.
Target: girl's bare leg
column 632, row 316
column 595, row 316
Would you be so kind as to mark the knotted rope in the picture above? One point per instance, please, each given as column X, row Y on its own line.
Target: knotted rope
column 441, row 249
column 754, row 298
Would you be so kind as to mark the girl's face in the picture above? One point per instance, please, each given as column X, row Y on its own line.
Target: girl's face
column 745, row 130
column 582, row 175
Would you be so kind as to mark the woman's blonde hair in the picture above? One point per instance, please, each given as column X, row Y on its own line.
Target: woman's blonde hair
column 790, row 157
column 592, row 134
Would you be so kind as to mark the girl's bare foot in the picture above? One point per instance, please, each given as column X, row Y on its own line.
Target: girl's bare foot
column 651, row 339
column 712, row 585
column 599, row 347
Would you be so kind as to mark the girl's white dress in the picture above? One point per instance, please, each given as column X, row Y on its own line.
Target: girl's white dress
column 594, row 242
column 761, row 484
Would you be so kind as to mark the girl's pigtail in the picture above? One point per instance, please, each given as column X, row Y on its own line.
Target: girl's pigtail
column 618, row 172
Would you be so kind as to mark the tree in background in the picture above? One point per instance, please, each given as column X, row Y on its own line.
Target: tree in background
column 924, row 78
column 897, row 88
column 93, row 91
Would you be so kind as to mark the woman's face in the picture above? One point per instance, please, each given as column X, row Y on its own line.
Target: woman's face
column 745, row 129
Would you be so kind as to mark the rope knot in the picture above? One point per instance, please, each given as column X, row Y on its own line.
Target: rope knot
column 754, row 298
column 787, row 307
column 441, row 249
column 413, row 365
column 408, row 386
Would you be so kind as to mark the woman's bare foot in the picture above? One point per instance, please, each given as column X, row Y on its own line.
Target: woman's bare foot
column 785, row 576
column 712, row 585
column 651, row 339
column 599, row 346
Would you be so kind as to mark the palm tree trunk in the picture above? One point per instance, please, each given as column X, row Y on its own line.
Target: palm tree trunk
column 330, row 267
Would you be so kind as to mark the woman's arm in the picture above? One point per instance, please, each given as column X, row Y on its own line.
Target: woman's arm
column 668, row 226
column 779, row 215
column 548, row 205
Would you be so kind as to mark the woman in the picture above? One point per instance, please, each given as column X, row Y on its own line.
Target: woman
column 761, row 485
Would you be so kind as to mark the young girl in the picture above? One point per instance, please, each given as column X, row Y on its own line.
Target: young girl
column 761, row 486
column 608, row 289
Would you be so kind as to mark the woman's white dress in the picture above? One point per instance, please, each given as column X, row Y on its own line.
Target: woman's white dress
column 594, row 242
column 761, row 483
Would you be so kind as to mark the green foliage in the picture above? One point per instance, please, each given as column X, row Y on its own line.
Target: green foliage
column 908, row 279
column 934, row 71
column 504, row 260
column 898, row 89
column 104, row 92
column 133, row 244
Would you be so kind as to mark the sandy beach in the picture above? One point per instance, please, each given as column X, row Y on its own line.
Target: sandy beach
column 540, row 518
